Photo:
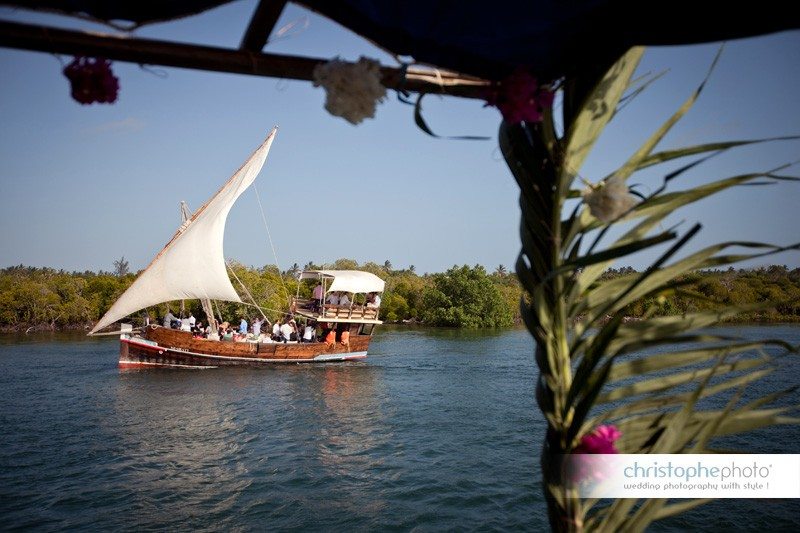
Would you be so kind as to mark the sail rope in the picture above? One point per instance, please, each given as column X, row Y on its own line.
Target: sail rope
column 230, row 269
column 219, row 315
column 274, row 253
column 278, row 311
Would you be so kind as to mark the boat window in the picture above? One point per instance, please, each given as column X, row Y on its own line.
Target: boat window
column 366, row 329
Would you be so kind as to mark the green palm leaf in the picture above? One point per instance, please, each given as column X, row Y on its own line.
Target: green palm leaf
column 657, row 378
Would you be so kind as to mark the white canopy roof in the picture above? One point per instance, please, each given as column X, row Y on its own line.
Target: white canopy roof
column 347, row 280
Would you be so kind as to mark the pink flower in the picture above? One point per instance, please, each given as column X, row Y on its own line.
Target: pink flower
column 92, row 80
column 520, row 98
column 601, row 440
column 585, row 465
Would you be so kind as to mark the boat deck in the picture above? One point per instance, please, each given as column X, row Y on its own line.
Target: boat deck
column 336, row 313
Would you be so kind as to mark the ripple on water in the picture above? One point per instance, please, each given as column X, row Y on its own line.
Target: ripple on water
column 437, row 431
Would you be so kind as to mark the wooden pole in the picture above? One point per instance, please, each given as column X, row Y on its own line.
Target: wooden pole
column 264, row 19
column 182, row 55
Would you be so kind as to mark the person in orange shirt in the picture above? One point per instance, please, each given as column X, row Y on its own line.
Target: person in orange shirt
column 346, row 339
column 330, row 338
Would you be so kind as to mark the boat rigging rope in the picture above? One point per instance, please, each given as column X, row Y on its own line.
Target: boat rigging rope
column 274, row 254
column 262, row 309
column 248, row 294
column 219, row 315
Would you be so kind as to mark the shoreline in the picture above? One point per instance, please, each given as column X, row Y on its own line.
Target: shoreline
column 85, row 327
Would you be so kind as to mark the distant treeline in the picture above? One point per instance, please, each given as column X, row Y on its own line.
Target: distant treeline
column 465, row 297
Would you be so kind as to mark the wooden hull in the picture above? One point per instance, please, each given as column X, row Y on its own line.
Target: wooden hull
column 170, row 348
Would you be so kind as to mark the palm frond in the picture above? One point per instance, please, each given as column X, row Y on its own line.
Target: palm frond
column 661, row 379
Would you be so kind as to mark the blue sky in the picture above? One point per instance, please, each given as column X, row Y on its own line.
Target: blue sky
column 81, row 186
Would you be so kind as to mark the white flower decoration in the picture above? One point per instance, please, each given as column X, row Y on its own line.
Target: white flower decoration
column 353, row 89
column 609, row 199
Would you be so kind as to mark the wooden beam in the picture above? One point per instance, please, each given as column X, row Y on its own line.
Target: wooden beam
column 192, row 56
column 264, row 19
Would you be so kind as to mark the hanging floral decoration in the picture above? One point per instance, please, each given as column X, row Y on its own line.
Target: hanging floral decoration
column 92, row 80
column 609, row 199
column 586, row 464
column 520, row 98
column 353, row 89
column 601, row 440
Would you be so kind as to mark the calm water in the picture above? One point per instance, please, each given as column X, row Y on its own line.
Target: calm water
column 437, row 430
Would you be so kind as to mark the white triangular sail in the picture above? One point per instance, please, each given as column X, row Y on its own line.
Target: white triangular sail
column 192, row 265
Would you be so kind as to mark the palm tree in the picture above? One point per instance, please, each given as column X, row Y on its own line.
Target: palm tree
column 501, row 271
column 387, row 265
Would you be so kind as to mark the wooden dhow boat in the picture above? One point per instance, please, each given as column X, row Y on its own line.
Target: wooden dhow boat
column 192, row 266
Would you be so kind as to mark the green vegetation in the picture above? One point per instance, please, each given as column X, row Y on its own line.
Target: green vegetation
column 464, row 297
column 712, row 289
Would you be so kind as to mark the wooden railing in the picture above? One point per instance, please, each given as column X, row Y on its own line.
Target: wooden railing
column 349, row 311
column 353, row 311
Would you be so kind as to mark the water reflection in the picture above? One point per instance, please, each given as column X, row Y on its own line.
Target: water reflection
column 352, row 436
column 180, row 443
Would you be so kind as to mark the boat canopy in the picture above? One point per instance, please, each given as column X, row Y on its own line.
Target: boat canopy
column 347, row 280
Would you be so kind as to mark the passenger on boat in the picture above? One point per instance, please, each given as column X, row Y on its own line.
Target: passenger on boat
column 373, row 299
column 345, row 339
column 330, row 337
column 169, row 319
column 257, row 326
column 333, row 298
column 309, row 331
column 317, row 294
column 286, row 332
column 343, row 299
column 192, row 321
column 185, row 326
column 276, row 330
column 243, row 326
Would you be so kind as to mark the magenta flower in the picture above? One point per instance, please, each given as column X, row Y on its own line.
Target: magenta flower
column 520, row 98
column 601, row 440
column 583, row 465
column 92, row 80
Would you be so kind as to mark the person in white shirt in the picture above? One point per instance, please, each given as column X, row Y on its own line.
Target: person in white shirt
column 276, row 330
column 286, row 332
column 192, row 321
column 373, row 300
column 257, row 326
column 333, row 298
column 343, row 299
column 308, row 333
